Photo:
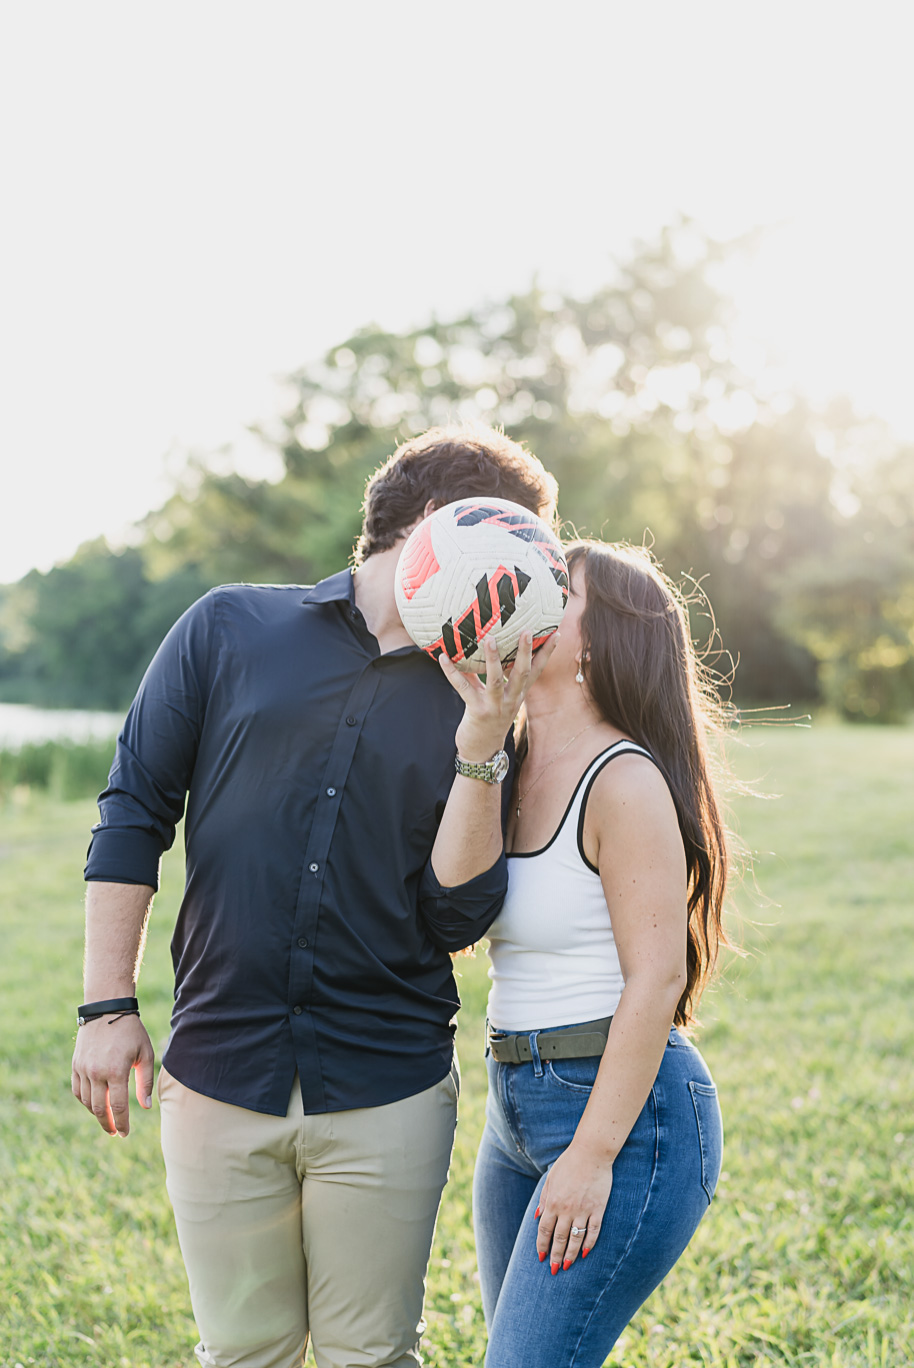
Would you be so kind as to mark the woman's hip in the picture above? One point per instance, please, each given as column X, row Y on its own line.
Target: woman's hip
column 534, row 1108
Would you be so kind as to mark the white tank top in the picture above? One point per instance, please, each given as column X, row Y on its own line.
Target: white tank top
column 553, row 956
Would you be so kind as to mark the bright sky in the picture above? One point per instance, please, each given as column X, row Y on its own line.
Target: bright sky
column 200, row 196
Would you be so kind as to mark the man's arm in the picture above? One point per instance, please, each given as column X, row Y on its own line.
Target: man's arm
column 106, row 1049
column 155, row 756
column 140, row 809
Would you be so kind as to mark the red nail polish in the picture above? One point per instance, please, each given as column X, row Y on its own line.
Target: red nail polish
column 537, row 1212
column 542, row 1257
column 566, row 1265
column 555, row 1269
column 584, row 1253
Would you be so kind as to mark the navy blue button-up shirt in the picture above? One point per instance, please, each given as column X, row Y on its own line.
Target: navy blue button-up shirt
column 313, row 933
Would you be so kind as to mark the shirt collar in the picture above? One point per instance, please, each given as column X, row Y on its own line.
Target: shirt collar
column 341, row 589
column 335, row 589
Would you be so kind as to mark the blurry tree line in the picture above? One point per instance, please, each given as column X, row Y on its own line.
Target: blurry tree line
column 798, row 524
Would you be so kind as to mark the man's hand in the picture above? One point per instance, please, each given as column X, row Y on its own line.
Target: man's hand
column 105, row 1053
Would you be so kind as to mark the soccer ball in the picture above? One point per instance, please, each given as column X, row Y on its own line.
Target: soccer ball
column 480, row 567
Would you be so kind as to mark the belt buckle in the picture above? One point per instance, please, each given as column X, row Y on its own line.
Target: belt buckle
column 497, row 1038
column 492, row 1037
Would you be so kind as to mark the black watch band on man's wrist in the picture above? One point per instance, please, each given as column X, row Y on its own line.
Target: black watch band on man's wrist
column 91, row 1011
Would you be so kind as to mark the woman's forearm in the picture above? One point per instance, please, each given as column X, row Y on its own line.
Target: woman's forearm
column 637, row 1039
column 469, row 839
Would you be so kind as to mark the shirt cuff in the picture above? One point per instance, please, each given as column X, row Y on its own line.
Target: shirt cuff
column 458, row 916
column 123, row 856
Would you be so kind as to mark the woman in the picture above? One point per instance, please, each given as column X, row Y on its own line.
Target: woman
column 603, row 1144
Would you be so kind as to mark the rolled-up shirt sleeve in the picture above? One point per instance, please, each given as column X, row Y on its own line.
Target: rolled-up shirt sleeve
column 456, row 917
column 156, row 751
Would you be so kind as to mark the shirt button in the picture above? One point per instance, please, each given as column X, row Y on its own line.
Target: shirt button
column 302, row 942
column 331, row 793
column 297, row 1011
column 314, row 868
column 350, row 721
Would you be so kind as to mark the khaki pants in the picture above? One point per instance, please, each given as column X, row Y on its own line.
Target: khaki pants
column 307, row 1225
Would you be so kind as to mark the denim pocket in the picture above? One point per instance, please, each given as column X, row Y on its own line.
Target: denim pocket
column 577, row 1074
column 710, row 1139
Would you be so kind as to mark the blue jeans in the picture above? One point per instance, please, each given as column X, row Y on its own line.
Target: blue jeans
column 663, row 1180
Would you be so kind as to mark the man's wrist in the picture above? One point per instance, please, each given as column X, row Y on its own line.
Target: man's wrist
column 112, row 1008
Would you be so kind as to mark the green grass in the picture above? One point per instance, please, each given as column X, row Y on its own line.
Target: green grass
column 64, row 769
column 807, row 1254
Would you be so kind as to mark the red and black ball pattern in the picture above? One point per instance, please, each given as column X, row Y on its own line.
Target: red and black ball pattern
column 481, row 567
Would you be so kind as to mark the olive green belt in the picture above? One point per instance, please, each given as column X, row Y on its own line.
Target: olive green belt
column 577, row 1042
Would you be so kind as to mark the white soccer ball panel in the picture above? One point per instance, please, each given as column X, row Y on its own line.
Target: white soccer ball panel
column 480, row 567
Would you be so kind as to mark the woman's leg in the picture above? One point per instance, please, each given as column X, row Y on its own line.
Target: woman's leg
column 662, row 1183
column 504, row 1184
column 502, row 1205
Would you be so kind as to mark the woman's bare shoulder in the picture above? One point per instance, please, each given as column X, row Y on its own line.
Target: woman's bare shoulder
column 630, row 785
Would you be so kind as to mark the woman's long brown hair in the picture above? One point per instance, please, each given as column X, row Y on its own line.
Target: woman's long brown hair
column 645, row 677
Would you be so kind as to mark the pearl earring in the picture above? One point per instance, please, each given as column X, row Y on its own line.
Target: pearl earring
column 579, row 678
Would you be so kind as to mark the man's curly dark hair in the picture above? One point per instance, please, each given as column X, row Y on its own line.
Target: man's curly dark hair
column 444, row 464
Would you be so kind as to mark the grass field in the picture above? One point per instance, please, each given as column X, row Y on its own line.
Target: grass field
column 805, row 1257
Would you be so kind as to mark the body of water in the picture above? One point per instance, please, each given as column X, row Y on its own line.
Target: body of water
column 20, row 723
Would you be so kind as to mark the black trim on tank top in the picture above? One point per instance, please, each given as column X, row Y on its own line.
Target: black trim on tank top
column 606, row 756
column 633, row 749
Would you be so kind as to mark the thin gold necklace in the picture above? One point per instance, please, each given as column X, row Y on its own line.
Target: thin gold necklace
column 522, row 796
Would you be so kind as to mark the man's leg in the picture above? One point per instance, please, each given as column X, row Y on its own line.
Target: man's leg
column 234, row 1183
column 372, row 1184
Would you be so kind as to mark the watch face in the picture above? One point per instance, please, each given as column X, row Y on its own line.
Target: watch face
column 500, row 766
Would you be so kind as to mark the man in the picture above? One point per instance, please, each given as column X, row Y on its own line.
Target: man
column 308, row 1090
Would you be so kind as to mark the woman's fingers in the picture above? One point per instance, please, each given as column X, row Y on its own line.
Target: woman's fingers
column 559, row 1244
column 495, row 674
column 464, row 683
column 562, row 1238
column 528, row 667
column 554, row 1239
column 591, row 1236
column 492, row 707
column 544, row 1231
column 506, row 687
column 572, row 1203
column 541, row 659
column 576, row 1237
